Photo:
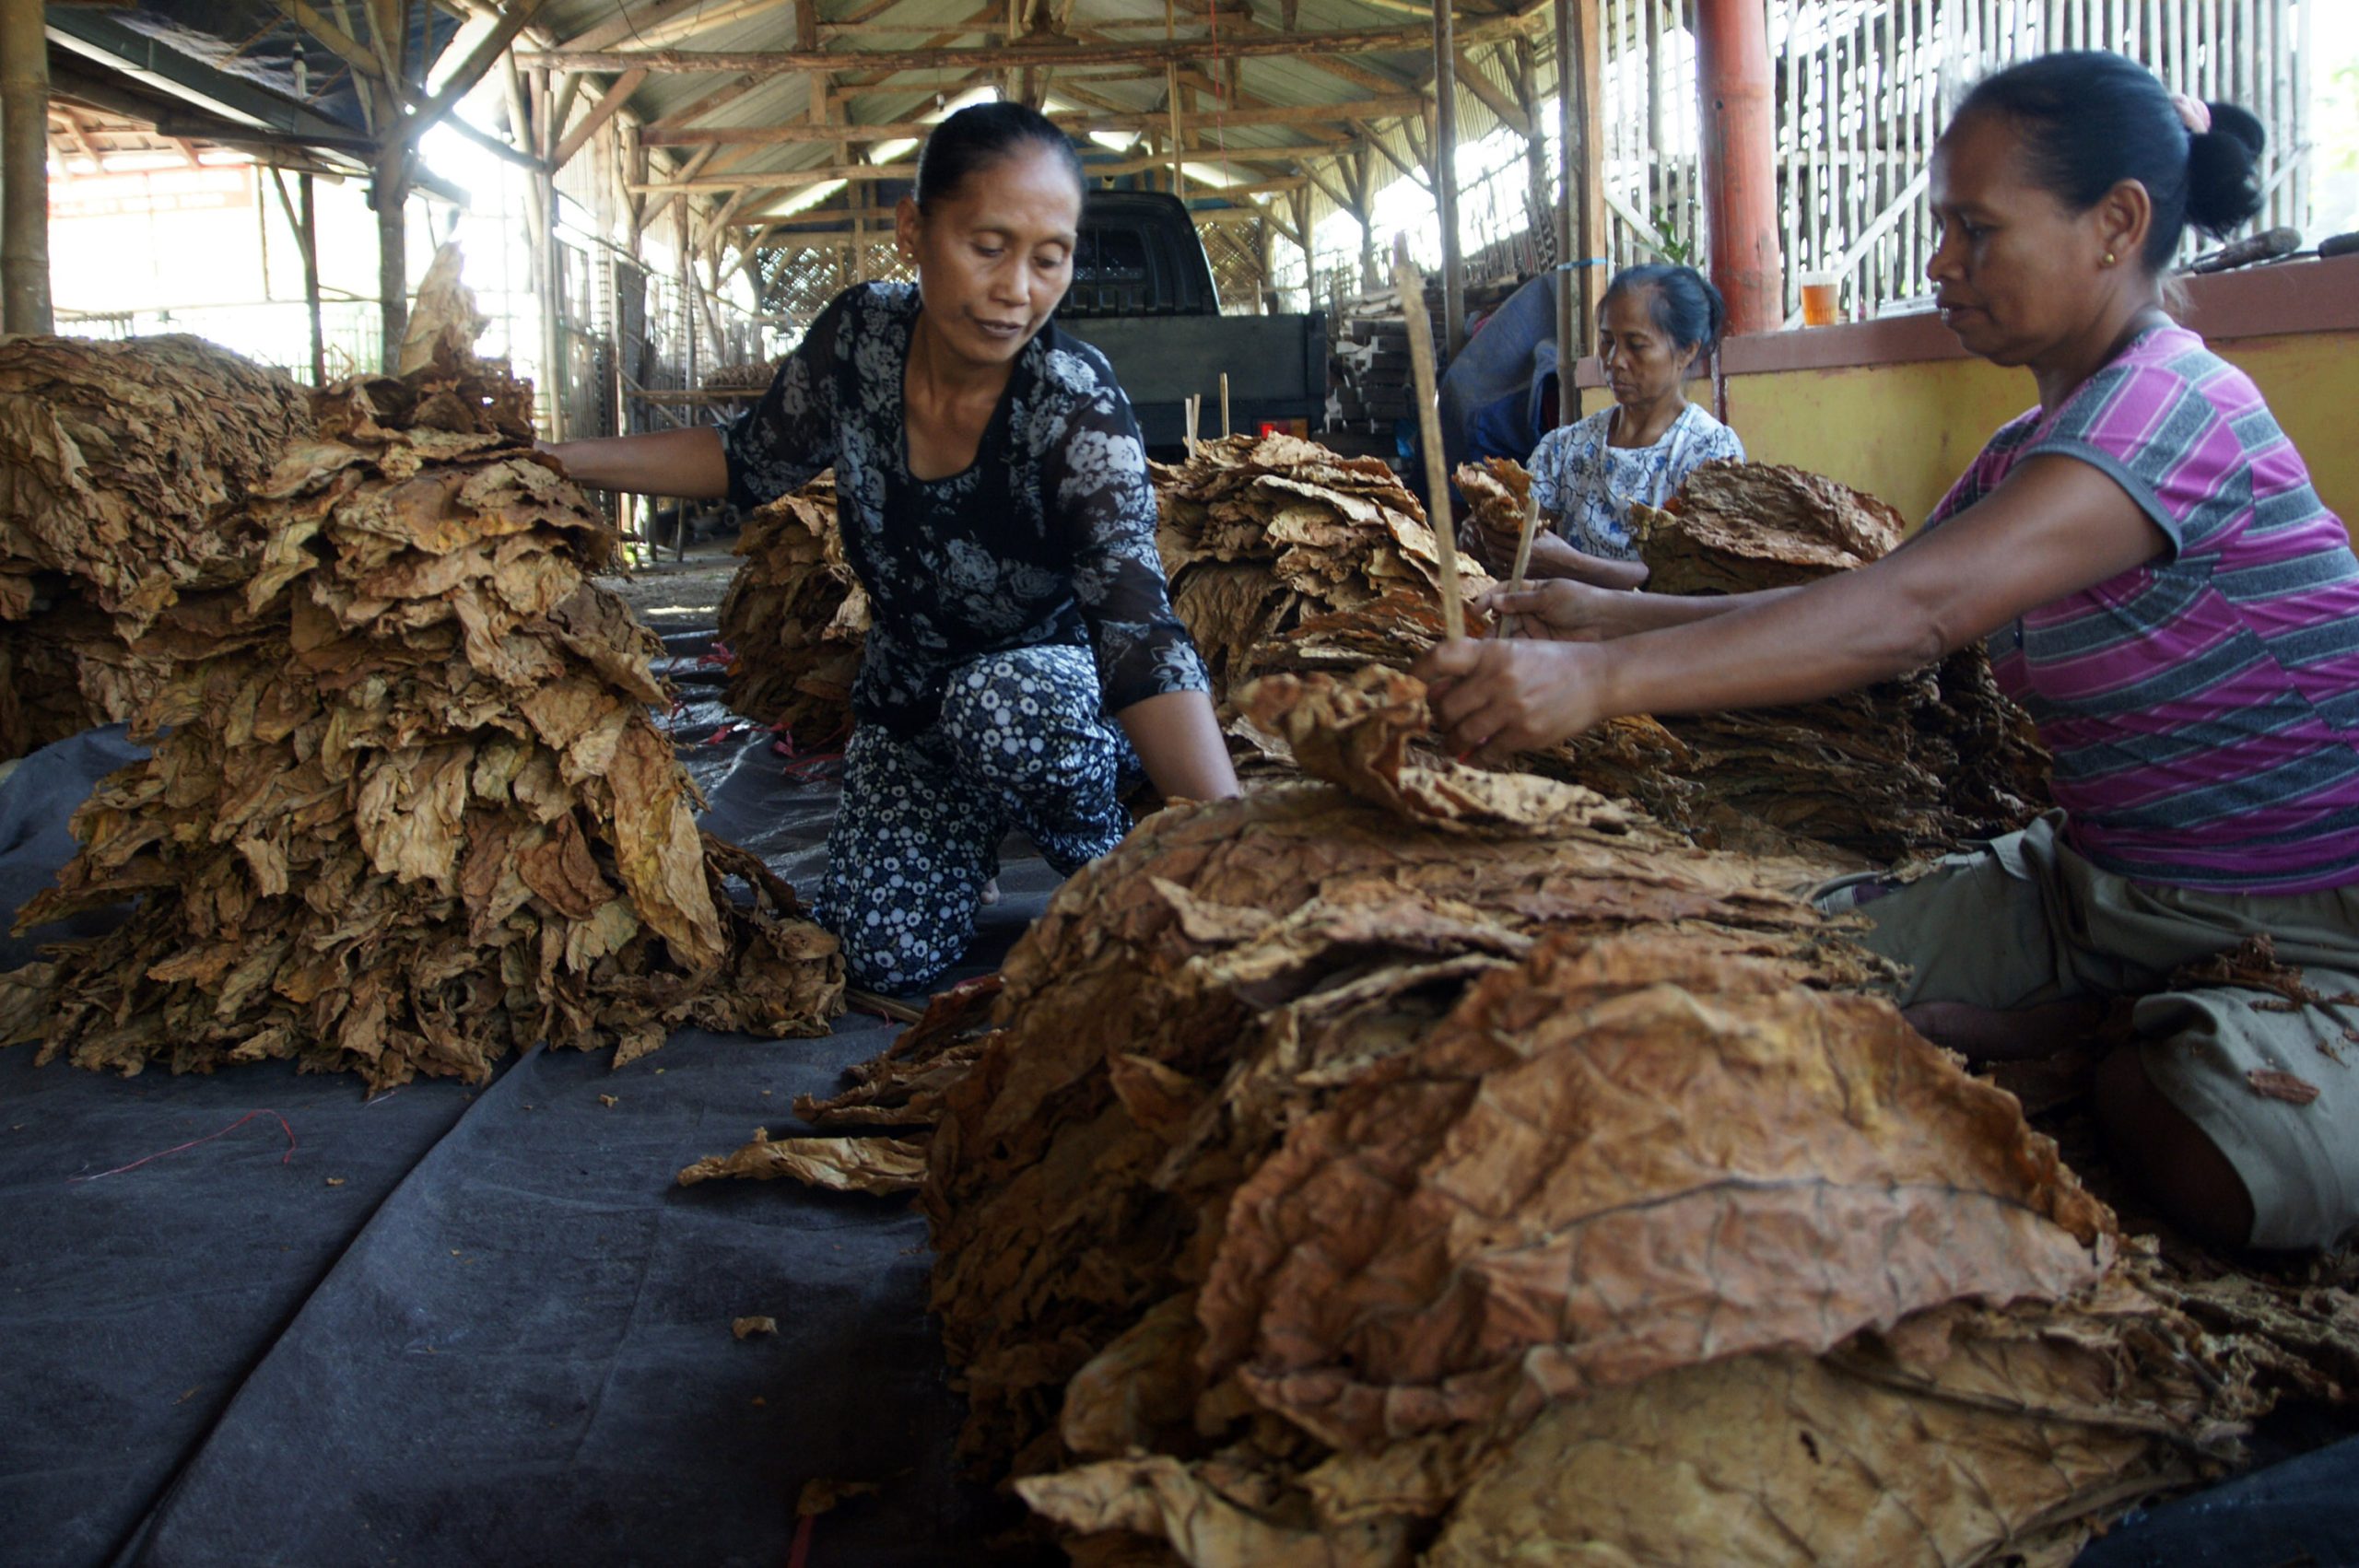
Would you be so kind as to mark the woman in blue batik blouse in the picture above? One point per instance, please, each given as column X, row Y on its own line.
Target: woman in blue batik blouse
column 1654, row 326
column 1023, row 660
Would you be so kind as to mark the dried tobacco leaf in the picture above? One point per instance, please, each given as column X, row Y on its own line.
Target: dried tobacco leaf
column 1736, row 527
column 405, row 809
column 1335, row 1186
column 795, row 617
column 1606, row 1163
column 839, row 1165
column 1357, row 733
column 122, row 470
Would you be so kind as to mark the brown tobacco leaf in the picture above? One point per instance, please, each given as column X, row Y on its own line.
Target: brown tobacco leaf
column 405, row 809
column 122, row 469
column 1333, row 1185
column 1304, row 569
column 1161, row 1496
column 1357, row 733
column 2281, row 1086
column 1270, row 952
column 881, row 1165
column 1496, row 490
column 1508, row 1242
column 794, row 618
column 2008, row 1449
column 903, row 1087
column 1736, row 527
column 1260, row 536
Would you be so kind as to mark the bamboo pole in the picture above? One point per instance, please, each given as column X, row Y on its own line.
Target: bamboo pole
column 24, row 169
column 1078, row 122
column 1411, row 286
column 389, row 193
column 1568, row 397
column 1185, row 51
column 1224, row 405
column 1453, row 258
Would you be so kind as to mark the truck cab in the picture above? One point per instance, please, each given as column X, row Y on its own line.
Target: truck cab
column 1142, row 295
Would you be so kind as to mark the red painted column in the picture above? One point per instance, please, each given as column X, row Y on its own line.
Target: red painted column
column 1740, row 127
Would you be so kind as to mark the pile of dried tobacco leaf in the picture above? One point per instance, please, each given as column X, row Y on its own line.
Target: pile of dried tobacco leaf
column 124, row 469
column 1266, row 539
column 406, row 810
column 1908, row 767
column 1454, row 1167
column 794, row 618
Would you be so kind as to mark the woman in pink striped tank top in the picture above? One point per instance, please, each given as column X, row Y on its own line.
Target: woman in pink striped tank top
column 2162, row 590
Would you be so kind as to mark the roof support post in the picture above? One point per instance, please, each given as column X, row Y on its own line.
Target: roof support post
column 1740, row 160
column 24, row 168
column 1453, row 258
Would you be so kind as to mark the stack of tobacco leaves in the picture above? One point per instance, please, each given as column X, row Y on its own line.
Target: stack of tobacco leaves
column 1266, row 539
column 1454, row 1167
column 1737, row 527
column 406, row 810
column 1906, row 767
column 794, row 618
column 122, row 470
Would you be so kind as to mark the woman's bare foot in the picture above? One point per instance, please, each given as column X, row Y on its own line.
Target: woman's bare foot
column 990, row 895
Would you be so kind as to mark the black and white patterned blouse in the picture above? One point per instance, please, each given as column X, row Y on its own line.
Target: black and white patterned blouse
column 1047, row 538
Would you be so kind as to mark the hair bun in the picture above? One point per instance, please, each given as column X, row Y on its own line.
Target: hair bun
column 2234, row 120
column 2223, row 172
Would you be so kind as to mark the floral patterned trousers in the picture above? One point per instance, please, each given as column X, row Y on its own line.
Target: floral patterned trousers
column 1019, row 744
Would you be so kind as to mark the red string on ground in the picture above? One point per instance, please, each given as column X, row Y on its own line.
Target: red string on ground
column 206, row 1139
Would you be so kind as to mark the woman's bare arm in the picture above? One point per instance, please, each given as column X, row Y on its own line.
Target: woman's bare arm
column 1178, row 739
column 2054, row 527
column 689, row 463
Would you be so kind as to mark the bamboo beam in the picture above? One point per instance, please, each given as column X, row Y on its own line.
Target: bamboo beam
column 1568, row 282
column 1510, row 113
column 670, row 134
column 616, row 96
column 304, row 223
column 1445, row 162
column 1589, row 155
column 790, row 179
column 1353, row 40
column 389, row 193
column 24, row 167
column 479, row 59
column 350, row 50
column 1383, row 150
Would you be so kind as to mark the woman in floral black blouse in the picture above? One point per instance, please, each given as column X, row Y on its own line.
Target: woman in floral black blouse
column 993, row 492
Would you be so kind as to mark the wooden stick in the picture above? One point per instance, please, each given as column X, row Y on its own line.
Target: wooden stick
column 1224, row 405
column 1411, row 285
column 1523, row 546
column 1189, row 408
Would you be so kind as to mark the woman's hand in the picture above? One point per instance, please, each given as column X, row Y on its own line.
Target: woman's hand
column 1493, row 698
column 1564, row 610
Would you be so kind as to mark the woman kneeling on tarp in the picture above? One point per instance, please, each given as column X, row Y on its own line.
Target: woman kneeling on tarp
column 1023, row 660
column 2161, row 588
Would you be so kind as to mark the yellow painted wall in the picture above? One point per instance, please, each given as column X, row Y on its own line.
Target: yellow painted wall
column 1905, row 432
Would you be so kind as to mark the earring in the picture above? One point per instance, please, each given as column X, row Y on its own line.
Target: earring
column 2108, row 258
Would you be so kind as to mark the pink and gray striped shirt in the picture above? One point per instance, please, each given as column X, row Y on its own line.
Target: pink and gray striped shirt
column 2204, row 708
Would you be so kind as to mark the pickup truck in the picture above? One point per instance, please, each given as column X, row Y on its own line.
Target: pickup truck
column 1142, row 295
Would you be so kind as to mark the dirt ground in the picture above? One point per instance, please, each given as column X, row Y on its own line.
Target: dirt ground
column 668, row 595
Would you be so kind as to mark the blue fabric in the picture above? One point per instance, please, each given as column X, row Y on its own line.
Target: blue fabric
column 1500, row 376
column 463, row 1324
